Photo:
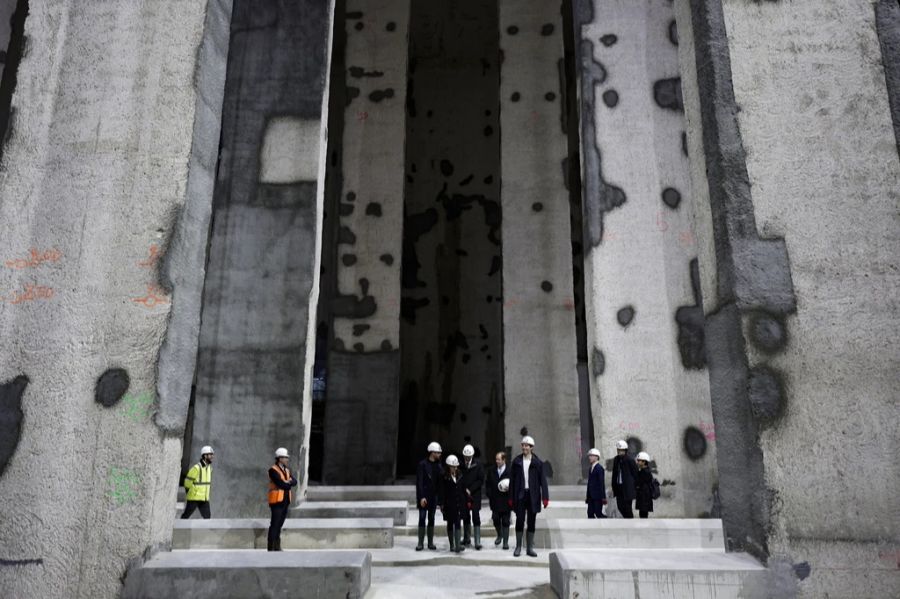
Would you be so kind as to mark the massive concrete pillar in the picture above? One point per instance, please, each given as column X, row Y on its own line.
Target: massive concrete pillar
column 257, row 334
column 644, row 316
column 539, row 346
column 105, row 196
column 791, row 145
column 366, row 227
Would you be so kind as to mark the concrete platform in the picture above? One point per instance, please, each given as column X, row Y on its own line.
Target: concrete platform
column 408, row 493
column 251, row 573
column 460, row 582
column 395, row 510
column 633, row 534
column 575, row 510
column 297, row 533
column 656, row 574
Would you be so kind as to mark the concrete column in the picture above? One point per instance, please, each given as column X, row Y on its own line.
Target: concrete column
column 644, row 315
column 363, row 376
column 801, row 235
column 539, row 346
column 105, row 198
column 256, row 339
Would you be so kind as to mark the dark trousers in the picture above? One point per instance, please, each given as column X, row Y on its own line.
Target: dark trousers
column 429, row 512
column 190, row 506
column 523, row 509
column 624, row 507
column 642, row 513
column 500, row 519
column 279, row 513
column 472, row 515
column 595, row 509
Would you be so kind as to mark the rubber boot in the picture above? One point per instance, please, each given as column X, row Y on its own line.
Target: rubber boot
column 477, row 531
column 421, row 544
column 506, row 538
column 450, row 537
column 431, row 545
column 499, row 538
column 529, row 540
column 277, row 544
column 518, row 550
column 466, row 536
column 459, row 546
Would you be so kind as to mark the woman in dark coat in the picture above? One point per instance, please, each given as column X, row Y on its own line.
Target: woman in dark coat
column 453, row 502
column 527, row 491
column 499, row 499
column 644, row 485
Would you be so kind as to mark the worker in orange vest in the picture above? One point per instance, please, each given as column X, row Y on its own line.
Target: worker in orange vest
column 281, row 494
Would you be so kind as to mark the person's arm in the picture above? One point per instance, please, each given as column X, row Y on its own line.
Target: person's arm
column 273, row 476
column 545, row 490
column 601, row 474
column 191, row 477
column 420, row 484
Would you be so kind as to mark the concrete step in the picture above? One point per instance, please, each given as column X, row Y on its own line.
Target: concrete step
column 251, row 573
column 297, row 533
column 403, row 554
column 656, row 574
column 408, row 493
column 395, row 510
column 575, row 510
column 661, row 533
column 460, row 582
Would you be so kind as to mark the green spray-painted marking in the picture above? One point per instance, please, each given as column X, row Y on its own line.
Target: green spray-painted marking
column 124, row 485
column 137, row 405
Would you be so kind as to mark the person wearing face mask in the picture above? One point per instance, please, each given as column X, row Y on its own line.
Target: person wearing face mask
column 497, row 488
column 527, row 491
column 472, row 473
column 453, row 501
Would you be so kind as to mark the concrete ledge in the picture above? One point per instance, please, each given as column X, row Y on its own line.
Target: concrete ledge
column 656, row 573
column 408, row 493
column 297, row 533
column 251, row 573
column 706, row 534
column 395, row 510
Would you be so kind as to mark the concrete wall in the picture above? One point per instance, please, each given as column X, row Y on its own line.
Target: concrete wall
column 105, row 190
column 255, row 356
column 539, row 347
column 791, row 139
column 365, row 217
column 7, row 8
column 645, row 323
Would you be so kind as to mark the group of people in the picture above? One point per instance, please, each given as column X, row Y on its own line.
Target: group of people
column 455, row 489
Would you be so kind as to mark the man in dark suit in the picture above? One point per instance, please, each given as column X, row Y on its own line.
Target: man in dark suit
column 527, row 491
column 624, row 475
column 428, row 478
column 472, row 473
column 595, row 498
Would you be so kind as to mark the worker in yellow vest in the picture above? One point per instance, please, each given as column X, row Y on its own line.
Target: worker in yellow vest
column 281, row 494
column 198, row 483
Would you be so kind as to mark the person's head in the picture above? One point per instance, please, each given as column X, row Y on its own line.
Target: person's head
column 643, row 460
column 281, row 456
column 434, row 451
column 500, row 458
column 621, row 447
column 468, row 453
column 207, row 454
column 452, row 465
column 527, row 445
column 594, row 455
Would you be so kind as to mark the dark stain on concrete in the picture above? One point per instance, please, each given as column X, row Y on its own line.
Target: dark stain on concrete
column 547, row 286
column 691, row 323
column 386, row 345
column 625, row 315
column 381, row 94
column 355, row 306
column 609, row 40
column 537, row 206
column 496, row 265
column 598, row 364
column 550, row 96
column 547, row 29
column 359, row 73
column 352, row 94
column 387, row 259
column 611, row 98
column 768, row 332
column 887, row 25
column 635, row 445
column 512, row 30
column 667, row 94
column 36, row 561
column 414, row 227
column 111, row 387
column 346, row 236
column 359, row 26
column 446, row 168
column 467, row 180
column 11, row 416
column 359, row 329
column 391, row 26
column 766, row 394
column 515, row 97
column 673, row 32
column 348, row 259
column 488, row 131
column 409, row 305
column 373, row 209
column 345, row 209
column 694, row 443
column 354, row 15
column 803, row 570
column 671, row 197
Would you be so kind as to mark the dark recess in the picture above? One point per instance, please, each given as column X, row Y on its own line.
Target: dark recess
column 14, row 53
column 111, row 387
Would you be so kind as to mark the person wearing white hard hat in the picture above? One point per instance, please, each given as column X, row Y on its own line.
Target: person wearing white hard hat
column 595, row 498
column 472, row 473
column 527, row 491
column 624, row 475
column 453, row 501
column 281, row 494
column 198, row 485
column 428, row 481
column 497, row 487
column 644, row 486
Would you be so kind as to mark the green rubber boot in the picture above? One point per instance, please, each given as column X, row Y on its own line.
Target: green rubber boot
column 421, row 544
column 467, row 534
column 518, row 550
column 431, row 545
column 477, row 531
column 529, row 540
column 506, row 538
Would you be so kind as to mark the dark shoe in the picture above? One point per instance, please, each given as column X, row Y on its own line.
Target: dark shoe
column 421, row 544
column 477, row 533
column 431, row 545
column 529, row 540
column 518, row 550
column 506, row 538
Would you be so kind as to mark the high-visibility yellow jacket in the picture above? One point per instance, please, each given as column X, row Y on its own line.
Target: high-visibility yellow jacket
column 198, row 482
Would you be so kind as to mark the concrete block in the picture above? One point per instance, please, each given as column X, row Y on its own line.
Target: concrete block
column 395, row 510
column 297, row 533
column 250, row 573
column 362, row 493
column 633, row 534
column 632, row 574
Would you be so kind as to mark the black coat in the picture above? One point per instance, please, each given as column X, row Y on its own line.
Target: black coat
column 644, row 491
column 428, row 481
column 537, row 483
column 473, row 480
column 628, row 467
column 452, row 498
column 499, row 501
column 596, row 484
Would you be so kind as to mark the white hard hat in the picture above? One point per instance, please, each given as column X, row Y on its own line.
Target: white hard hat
column 621, row 445
column 503, row 485
column 468, row 451
column 452, row 461
column 281, row 452
column 434, row 447
column 644, row 456
column 206, row 449
column 594, row 451
column 528, row 439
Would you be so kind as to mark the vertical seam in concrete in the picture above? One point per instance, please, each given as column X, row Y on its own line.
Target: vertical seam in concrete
column 887, row 25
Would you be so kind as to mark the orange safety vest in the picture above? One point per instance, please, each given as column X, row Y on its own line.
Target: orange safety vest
column 276, row 495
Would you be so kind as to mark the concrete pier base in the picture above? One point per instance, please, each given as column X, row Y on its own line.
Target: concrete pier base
column 297, row 533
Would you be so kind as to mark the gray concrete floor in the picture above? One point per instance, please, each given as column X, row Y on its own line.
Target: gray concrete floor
column 460, row 582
